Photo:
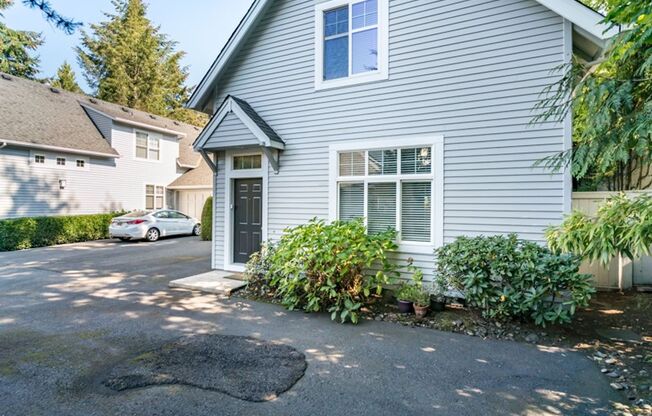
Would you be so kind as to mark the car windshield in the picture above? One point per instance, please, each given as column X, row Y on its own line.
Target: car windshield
column 136, row 214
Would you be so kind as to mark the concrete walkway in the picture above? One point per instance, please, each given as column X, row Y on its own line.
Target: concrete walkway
column 216, row 281
column 70, row 315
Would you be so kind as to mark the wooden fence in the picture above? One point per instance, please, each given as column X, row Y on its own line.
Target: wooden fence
column 638, row 272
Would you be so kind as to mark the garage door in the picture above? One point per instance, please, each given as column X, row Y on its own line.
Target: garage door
column 191, row 201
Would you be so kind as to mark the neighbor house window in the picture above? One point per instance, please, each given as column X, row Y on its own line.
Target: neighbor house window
column 351, row 42
column 154, row 197
column 388, row 188
column 246, row 162
column 147, row 147
column 40, row 159
column 81, row 163
column 61, row 161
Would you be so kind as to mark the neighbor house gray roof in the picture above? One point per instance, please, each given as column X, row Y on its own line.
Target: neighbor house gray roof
column 201, row 176
column 37, row 115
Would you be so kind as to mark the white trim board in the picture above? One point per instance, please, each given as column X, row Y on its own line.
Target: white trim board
column 583, row 17
column 229, row 175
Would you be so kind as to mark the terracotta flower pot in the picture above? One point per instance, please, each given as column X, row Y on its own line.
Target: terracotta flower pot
column 404, row 306
column 420, row 311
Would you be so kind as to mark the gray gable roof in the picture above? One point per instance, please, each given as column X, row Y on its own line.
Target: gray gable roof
column 40, row 116
column 37, row 115
column 258, row 120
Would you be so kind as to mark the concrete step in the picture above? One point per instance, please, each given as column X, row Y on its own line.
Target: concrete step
column 217, row 281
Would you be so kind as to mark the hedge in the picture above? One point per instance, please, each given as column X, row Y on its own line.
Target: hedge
column 30, row 232
column 207, row 220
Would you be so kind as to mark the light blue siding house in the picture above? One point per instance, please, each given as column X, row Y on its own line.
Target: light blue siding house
column 410, row 114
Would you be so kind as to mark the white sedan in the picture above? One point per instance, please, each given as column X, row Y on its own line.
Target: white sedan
column 151, row 225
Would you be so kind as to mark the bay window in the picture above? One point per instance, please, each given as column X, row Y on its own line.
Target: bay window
column 389, row 188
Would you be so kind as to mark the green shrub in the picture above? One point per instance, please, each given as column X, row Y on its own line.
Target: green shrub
column 257, row 270
column 511, row 278
column 24, row 233
column 207, row 220
column 622, row 225
column 326, row 267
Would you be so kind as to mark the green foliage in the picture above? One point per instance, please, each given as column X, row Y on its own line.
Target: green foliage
column 23, row 233
column 326, row 267
column 611, row 101
column 65, row 79
column 16, row 47
column 257, row 270
column 129, row 62
column 622, row 225
column 511, row 278
column 207, row 220
column 412, row 291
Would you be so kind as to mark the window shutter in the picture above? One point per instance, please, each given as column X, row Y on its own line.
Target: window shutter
column 381, row 207
column 351, row 201
column 416, row 203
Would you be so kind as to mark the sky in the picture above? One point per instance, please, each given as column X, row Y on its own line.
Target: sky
column 201, row 28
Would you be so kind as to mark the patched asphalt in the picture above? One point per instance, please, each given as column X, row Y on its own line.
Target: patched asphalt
column 72, row 317
column 242, row 367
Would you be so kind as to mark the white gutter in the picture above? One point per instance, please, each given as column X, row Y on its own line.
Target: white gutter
column 4, row 144
column 186, row 166
column 58, row 149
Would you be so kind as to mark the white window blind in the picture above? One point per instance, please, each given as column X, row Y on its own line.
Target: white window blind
column 389, row 188
column 416, row 208
column 351, row 201
column 381, row 207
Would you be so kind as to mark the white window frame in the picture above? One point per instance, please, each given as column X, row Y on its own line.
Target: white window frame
column 149, row 137
column 35, row 155
column 65, row 161
column 383, row 46
column 436, row 176
column 155, row 195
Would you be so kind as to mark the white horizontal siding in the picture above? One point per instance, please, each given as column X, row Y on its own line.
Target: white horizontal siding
column 231, row 132
column 107, row 185
column 468, row 70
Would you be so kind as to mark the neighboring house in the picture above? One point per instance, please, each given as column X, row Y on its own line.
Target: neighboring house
column 64, row 153
column 411, row 114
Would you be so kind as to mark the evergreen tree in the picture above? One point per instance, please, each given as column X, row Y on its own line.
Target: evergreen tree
column 65, row 79
column 16, row 49
column 128, row 61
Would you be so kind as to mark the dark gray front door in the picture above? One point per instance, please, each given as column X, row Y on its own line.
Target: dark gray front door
column 247, row 226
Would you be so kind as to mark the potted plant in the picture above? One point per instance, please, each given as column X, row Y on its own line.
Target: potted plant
column 421, row 303
column 405, row 297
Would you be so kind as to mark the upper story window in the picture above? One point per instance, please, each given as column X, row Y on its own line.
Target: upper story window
column 147, row 147
column 40, row 159
column 351, row 42
column 81, row 163
column 61, row 161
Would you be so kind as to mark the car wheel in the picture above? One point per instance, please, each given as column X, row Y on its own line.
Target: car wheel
column 196, row 230
column 152, row 235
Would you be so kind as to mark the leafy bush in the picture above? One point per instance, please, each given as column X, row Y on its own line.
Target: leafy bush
column 622, row 225
column 257, row 270
column 326, row 267
column 207, row 220
column 511, row 278
column 23, row 233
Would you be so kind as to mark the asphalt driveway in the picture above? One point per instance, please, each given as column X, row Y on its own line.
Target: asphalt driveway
column 70, row 314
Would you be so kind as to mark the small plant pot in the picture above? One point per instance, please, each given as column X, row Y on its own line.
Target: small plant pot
column 405, row 306
column 420, row 311
column 438, row 306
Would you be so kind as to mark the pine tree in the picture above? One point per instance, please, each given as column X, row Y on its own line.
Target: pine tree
column 65, row 79
column 128, row 61
column 16, row 49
